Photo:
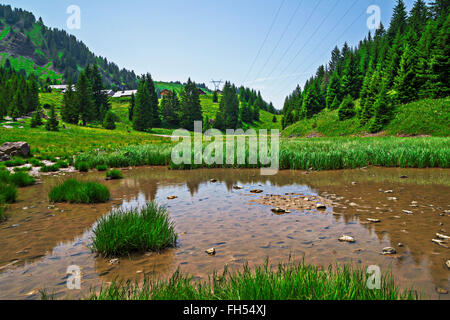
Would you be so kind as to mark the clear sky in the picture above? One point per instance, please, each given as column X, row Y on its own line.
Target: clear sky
column 217, row 39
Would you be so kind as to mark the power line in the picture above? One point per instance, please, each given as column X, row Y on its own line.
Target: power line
column 309, row 39
column 343, row 33
column 322, row 40
column 281, row 38
column 264, row 42
column 295, row 39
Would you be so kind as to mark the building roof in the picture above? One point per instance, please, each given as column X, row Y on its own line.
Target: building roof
column 125, row 93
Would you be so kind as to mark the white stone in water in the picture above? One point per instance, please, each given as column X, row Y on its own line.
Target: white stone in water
column 211, row 251
column 448, row 264
column 389, row 250
column 345, row 238
column 321, row 206
column 407, row 212
column 373, row 220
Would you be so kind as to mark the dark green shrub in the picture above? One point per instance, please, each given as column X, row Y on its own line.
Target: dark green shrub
column 114, row 174
column 138, row 230
column 74, row 191
column 109, row 122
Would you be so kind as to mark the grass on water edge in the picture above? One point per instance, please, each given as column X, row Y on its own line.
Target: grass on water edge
column 74, row 191
column 302, row 154
column 114, row 174
column 290, row 281
column 138, row 230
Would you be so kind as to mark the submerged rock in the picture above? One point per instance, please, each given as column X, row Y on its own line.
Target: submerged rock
column 213, row 180
column 280, row 210
column 237, row 187
column 345, row 238
column 211, row 251
column 321, row 206
column 373, row 220
column 407, row 212
column 256, row 191
column 441, row 290
column 171, row 197
column 389, row 250
column 447, row 263
column 114, row 261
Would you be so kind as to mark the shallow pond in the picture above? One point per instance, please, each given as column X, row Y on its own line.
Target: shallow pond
column 40, row 241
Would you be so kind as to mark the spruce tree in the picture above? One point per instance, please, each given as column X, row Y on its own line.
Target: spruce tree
column 383, row 111
column 36, row 119
column 398, row 20
column 141, row 114
column 52, row 122
column 215, row 97
column 191, row 109
column 131, row 107
column 346, row 109
column 109, row 121
column 69, row 109
column 154, row 117
column 333, row 91
column 84, row 99
column 405, row 82
column 440, row 61
column 170, row 109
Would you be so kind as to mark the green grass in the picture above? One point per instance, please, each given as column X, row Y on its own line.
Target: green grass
column 8, row 193
column 102, row 167
column 139, row 230
column 52, row 168
column 114, row 174
column 303, row 154
column 21, row 179
column 291, row 281
column 74, row 191
column 15, row 162
column 82, row 166
column 425, row 117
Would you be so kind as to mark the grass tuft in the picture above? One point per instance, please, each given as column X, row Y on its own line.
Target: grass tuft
column 114, row 174
column 74, row 191
column 102, row 167
column 291, row 281
column 138, row 230
column 8, row 193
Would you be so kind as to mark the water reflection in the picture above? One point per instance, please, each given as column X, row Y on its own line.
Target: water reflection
column 47, row 239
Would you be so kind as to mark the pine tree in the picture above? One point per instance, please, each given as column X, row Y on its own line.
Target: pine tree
column 333, row 91
column 346, row 109
column 154, row 118
column 215, row 97
column 36, row 119
column 383, row 111
column 131, row 107
column 398, row 21
column 52, row 122
column 351, row 81
column 84, row 99
column 405, row 82
column 109, row 121
column 100, row 98
column 440, row 61
column 419, row 16
column 191, row 109
column 69, row 109
column 170, row 109
column 142, row 110
column 229, row 107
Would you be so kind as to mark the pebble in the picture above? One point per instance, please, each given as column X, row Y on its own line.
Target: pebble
column 407, row 212
column 373, row 220
column 321, row 206
column 114, row 261
column 389, row 250
column 237, row 187
column 448, row 264
column 345, row 238
column 171, row 197
column 211, row 251
column 256, row 191
column 213, row 180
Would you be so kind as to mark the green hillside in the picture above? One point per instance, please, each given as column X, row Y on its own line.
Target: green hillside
column 424, row 117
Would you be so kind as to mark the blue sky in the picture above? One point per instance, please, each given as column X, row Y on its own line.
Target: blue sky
column 212, row 39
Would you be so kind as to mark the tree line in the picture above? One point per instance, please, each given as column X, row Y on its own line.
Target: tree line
column 19, row 94
column 406, row 62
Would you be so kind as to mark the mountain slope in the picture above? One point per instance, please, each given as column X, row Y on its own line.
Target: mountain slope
column 27, row 44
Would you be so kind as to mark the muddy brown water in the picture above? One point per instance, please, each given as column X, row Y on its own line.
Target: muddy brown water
column 40, row 241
